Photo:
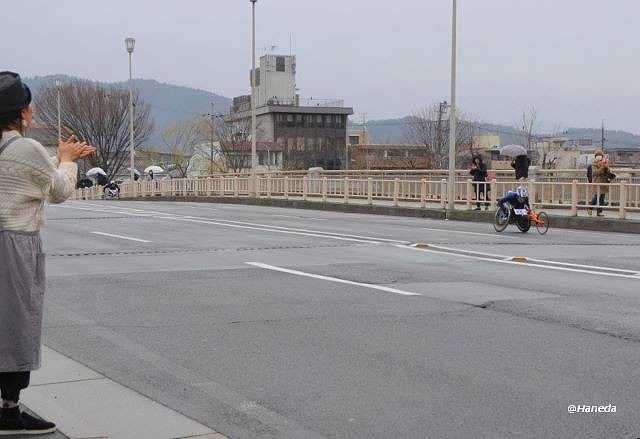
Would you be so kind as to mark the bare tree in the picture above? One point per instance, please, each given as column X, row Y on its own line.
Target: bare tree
column 427, row 127
column 527, row 126
column 98, row 115
column 181, row 140
column 235, row 143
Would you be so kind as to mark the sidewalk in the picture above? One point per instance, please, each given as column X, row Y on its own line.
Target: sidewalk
column 87, row 405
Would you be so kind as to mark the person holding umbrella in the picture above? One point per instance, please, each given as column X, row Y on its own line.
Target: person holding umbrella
column 520, row 162
column 28, row 177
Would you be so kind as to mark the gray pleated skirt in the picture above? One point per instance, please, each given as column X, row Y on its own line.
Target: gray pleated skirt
column 22, row 285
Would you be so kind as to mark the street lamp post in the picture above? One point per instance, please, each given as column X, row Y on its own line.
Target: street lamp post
column 452, row 116
column 58, row 84
column 130, row 43
column 253, row 98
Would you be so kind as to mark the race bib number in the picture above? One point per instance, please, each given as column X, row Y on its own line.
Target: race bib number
column 520, row 211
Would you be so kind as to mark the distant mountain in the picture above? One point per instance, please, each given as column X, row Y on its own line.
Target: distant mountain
column 170, row 104
column 395, row 131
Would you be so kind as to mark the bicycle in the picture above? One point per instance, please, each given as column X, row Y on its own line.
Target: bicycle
column 522, row 218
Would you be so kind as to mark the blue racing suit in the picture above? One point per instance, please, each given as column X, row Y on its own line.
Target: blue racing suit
column 512, row 198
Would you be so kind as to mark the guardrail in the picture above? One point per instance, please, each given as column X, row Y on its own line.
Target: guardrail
column 556, row 175
column 569, row 197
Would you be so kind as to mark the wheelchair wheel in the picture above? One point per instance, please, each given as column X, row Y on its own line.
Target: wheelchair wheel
column 544, row 226
column 523, row 223
column 501, row 220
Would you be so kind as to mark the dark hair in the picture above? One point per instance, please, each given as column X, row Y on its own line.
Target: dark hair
column 9, row 118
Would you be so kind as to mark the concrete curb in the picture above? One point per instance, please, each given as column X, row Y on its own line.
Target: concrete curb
column 557, row 222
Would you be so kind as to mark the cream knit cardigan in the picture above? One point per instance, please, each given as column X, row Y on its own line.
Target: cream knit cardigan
column 28, row 177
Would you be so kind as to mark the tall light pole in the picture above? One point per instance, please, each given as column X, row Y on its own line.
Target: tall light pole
column 130, row 43
column 58, row 84
column 452, row 116
column 253, row 97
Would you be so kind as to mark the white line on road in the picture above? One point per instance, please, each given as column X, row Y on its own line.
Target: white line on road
column 492, row 235
column 540, row 263
column 267, row 228
column 256, row 226
column 333, row 279
column 120, row 237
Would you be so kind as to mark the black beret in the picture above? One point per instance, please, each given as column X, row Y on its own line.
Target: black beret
column 14, row 94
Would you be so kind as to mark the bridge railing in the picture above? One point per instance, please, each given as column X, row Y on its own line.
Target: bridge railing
column 568, row 198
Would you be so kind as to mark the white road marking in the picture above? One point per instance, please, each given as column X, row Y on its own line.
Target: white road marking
column 267, row 229
column 252, row 226
column 120, row 237
column 501, row 259
column 492, row 235
column 333, row 279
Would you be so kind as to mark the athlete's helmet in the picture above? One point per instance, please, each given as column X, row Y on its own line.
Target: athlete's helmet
column 522, row 192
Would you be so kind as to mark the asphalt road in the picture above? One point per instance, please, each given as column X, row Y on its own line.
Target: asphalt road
column 280, row 323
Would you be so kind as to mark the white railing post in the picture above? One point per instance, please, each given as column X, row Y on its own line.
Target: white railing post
column 533, row 193
column 269, row 186
column 236, row 186
column 396, row 190
column 493, row 186
column 305, row 188
column 324, row 189
column 423, row 193
column 209, row 186
column 470, row 194
column 574, row 197
column 370, row 190
column 346, row 190
column 623, row 200
column 443, row 193
column 286, row 187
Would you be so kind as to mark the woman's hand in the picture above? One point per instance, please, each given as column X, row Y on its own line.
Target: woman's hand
column 71, row 150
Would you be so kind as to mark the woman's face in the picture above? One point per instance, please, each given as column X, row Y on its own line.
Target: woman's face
column 27, row 116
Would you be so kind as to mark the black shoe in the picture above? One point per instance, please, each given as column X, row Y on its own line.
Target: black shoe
column 12, row 422
column 477, row 208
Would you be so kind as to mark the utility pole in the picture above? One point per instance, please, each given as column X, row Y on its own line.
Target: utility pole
column 602, row 138
column 364, row 130
column 452, row 114
column 212, row 136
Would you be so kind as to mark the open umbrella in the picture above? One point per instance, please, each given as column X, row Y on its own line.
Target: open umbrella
column 513, row 150
column 95, row 171
column 154, row 168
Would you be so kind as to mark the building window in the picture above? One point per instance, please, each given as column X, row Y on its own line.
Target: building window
column 261, row 158
column 328, row 121
column 354, row 140
column 299, row 121
column 290, row 123
column 280, row 64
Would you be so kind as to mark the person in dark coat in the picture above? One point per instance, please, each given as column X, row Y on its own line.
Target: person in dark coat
column 479, row 172
column 521, row 165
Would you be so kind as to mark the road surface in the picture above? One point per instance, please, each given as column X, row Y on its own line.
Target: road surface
column 266, row 322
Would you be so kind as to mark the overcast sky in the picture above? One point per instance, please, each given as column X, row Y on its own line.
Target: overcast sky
column 575, row 61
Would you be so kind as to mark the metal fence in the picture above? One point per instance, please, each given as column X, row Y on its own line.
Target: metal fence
column 622, row 197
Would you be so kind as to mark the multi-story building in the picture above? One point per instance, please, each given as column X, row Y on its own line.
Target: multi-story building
column 311, row 132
